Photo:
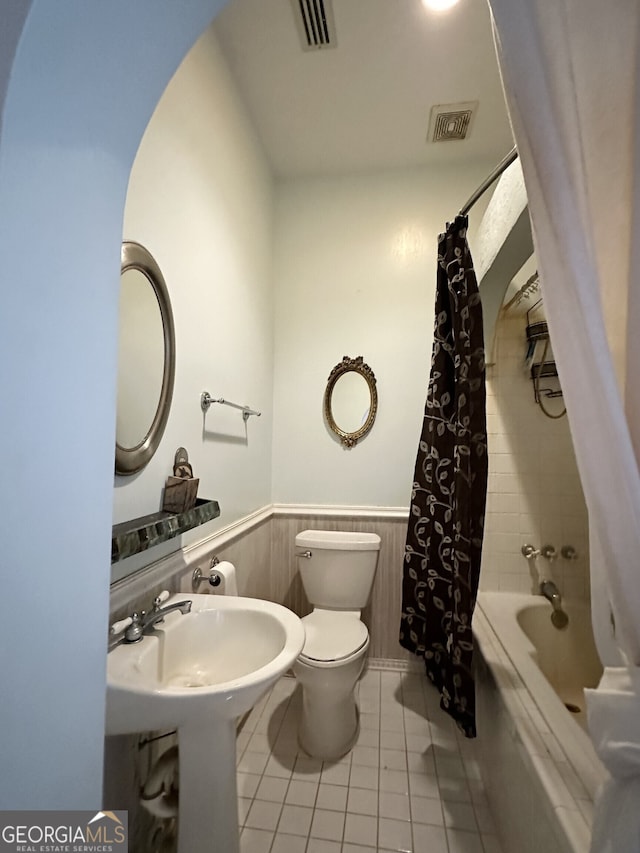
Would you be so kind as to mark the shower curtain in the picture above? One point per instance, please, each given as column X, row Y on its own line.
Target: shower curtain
column 444, row 537
column 571, row 74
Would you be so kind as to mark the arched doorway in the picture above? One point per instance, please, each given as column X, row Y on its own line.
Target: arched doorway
column 79, row 84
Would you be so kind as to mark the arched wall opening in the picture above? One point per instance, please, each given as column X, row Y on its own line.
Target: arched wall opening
column 78, row 93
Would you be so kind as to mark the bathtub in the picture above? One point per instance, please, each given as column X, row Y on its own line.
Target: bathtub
column 539, row 766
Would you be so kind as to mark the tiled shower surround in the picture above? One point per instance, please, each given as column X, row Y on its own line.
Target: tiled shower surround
column 534, row 490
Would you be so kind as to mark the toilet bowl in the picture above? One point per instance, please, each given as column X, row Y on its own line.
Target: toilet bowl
column 337, row 570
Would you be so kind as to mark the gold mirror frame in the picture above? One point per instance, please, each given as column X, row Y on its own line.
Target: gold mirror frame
column 356, row 365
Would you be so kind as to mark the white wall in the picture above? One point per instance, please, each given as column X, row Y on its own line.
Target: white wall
column 355, row 271
column 200, row 199
column 81, row 90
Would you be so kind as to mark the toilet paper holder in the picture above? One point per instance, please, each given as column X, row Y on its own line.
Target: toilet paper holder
column 213, row 578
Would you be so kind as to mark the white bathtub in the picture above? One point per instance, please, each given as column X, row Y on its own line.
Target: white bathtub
column 537, row 756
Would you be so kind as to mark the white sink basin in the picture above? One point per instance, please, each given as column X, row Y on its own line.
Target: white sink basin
column 198, row 672
column 218, row 659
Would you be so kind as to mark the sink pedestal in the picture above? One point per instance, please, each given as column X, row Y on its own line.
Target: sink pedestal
column 208, row 802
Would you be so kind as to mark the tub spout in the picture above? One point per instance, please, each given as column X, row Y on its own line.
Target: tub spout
column 551, row 593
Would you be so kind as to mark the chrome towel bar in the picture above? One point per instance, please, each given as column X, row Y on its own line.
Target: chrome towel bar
column 206, row 400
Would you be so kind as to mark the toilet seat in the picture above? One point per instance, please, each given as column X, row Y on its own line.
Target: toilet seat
column 333, row 637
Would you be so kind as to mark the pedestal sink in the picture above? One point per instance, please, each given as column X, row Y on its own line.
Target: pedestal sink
column 198, row 672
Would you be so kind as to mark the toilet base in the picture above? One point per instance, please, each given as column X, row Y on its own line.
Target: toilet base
column 329, row 732
column 330, row 719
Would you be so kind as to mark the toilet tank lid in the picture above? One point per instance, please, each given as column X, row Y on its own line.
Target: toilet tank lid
column 338, row 540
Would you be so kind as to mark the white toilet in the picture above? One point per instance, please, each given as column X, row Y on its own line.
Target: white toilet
column 337, row 570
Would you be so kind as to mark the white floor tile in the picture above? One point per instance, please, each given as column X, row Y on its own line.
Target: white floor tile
column 333, row 797
column 289, row 844
column 335, row 774
column 321, row 845
column 368, row 756
column 362, row 801
column 362, row 777
column 302, row 793
column 279, row 766
column 361, row 829
column 259, row 743
column 391, row 723
column 429, row 838
column 253, row 762
column 306, row 768
column 247, row 784
column 327, row 824
column 410, row 785
column 263, row 815
column 295, row 820
column 426, row 810
column 272, row 788
column 244, row 804
column 393, row 759
column 395, row 835
column 392, row 740
column 394, row 781
column 368, row 737
column 394, row 806
column 255, row 841
column 421, row 762
column 423, row 785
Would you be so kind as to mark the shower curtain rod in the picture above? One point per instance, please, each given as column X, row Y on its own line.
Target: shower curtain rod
column 484, row 186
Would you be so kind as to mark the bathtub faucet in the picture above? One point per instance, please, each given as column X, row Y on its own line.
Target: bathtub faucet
column 551, row 593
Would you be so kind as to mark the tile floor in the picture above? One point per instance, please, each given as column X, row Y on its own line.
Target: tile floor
column 410, row 783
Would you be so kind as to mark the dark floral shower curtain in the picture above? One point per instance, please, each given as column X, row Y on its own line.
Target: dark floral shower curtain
column 444, row 538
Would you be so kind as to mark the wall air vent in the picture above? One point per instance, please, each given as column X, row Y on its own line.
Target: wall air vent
column 315, row 23
column 451, row 121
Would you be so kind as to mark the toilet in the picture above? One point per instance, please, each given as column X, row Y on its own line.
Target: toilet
column 337, row 569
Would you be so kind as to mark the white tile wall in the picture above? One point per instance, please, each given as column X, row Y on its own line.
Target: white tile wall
column 534, row 495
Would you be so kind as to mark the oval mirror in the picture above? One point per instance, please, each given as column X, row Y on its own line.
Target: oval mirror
column 351, row 400
column 146, row 359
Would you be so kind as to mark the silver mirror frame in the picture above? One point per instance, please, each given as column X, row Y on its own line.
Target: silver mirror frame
column 129, row 460
column 357, row 365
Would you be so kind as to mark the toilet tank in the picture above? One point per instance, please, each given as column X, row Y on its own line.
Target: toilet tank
column 340, row 571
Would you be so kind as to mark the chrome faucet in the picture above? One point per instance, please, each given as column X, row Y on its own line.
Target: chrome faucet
column 552, row 594
column 142, row 622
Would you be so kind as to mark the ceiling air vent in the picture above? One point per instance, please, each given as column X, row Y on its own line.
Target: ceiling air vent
column 314, row 20
column 451, row 121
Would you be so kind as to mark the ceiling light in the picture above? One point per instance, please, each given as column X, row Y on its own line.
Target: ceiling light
column 439, row 5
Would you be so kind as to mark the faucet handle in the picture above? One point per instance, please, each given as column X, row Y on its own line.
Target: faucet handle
column 549, row 553
column 120, row 626
column 160, row 598
column 529, row 552
column 568, row 552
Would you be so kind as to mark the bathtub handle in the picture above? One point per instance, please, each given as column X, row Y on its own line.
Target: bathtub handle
column 529, row 552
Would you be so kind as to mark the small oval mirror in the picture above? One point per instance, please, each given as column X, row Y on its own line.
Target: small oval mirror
column 146, row 359
column 351, row 400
